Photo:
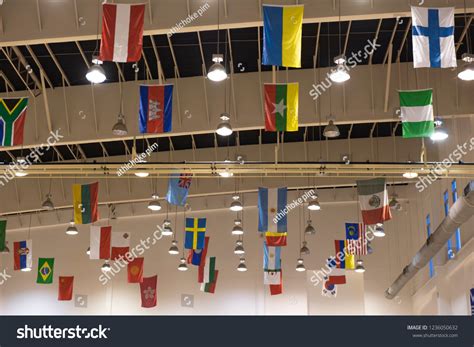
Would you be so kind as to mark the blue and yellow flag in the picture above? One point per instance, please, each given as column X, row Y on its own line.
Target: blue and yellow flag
column 282, row 35
column 195, row 233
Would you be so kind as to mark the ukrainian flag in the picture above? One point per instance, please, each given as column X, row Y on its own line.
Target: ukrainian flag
column 282, row 34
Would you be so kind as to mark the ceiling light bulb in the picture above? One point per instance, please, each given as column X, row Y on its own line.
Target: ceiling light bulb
column 331, row 130
column 226, row 173
column 174, row 248
column 300, row 265
column 72, row 229
column 239, row 248
column 96, row 74
column 410, row 175
column 154, row 204
column 339, row 74
column 237, row 230
column 21, row 173
column 217, row 71
column 379, row 231
column 120, row 128
column 360, row 266
column 314, row 205
column 467, row 73
column 182, row 266
column 242, row 267
column 26, row 269
column 106, row 267
column 167, row 231
column 236, row 206
column 224, row 128
column 88, row 252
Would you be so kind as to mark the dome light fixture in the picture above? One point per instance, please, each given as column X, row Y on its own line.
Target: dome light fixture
column 48, row 203
column 21, row 161
column 174, row 248
column 440, row 133
column 26, row 269
column 166, row 230
column 236, row 205
column 379, row 231
column 239, row 248
column 154, row 204
column 410, row 174
column 360, row 266
column 182, row 265
column 120, row 128
column 226, row 173
column 331, row 130
column 88, row 251
column 304, row 249
column 467, row 73
column 339, row 74
column 106, row 267
column 217, row 71
column 309, row 230
column 242, row 267
column 224, row 128
column 72, row 229
column 96, row 73
column 314, row 204
column 300, row 265
column 237, row 229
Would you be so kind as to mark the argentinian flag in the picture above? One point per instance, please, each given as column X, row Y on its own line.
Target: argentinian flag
column 433, row 37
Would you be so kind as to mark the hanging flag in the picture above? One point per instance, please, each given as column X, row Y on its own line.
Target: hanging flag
column 211, row 286
column 271, row 216
column 335, row 276
column 202, row 263
column 345, row 260
column 23, row 255
column 356, row 239
column 148, row 291
column 66, row 284
column 12, row 120
column 85, row 197
column 3, row 233
column 100, row 238
column 178, row 189
column 271, row 257
column 45, row 270
column 276, row 289
column 209, row 270
column 433, row 37
column 271, row 277
column 196, row 255
column 135, row 270
column 195, row 233
column 156, row 108
column 120, row 245
column 122, row 32
column 416, row 109
column 373, row 200
column 282, row 35
column 281, row 107
column 329, row 289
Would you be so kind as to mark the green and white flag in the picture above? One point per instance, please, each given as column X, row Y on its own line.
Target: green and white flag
column 416, row 108
column 3, row 233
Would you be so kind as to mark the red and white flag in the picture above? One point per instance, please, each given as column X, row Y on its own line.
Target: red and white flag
column 100, row 242
column 120, row 244
column 122, row 32
column 148, row 291
column 373, row 199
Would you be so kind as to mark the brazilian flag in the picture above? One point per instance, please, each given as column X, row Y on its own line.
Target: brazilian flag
column 45, row 270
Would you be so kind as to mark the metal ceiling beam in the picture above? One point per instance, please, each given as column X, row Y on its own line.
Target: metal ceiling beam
column 40, row 66
column 404, row 40
column 464, row 32
column 58, row 65
column 7, row 54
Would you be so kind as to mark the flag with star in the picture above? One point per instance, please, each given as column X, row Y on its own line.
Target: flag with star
column 195, row 233
column 281, row 106
column 156, row 108
column 148, row 291
column 45, row 270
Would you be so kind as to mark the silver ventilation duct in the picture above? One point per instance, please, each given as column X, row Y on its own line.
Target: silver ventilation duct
column 459, row 214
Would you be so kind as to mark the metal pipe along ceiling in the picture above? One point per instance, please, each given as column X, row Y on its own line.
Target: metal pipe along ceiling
column 460, row 213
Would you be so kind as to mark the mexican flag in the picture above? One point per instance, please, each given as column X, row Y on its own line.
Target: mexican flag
column 373, row 199
column 416, row 108
column 281, row 107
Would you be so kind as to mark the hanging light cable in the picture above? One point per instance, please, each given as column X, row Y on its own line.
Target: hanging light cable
column 467, row 73
column 96, row 73
column 120, row 128
column 217, row 72
column 340, row 74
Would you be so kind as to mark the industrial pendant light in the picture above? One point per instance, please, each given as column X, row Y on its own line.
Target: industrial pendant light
column 106, row 267
column 96, row 74
column 120, row 128
column 309, row 230
column 217, row 71
column 440, row 133
column 48, row 203
column 174, row 248
column 224, row 128
column 182, row 265
column 167, row 231
column 379, row 231
column 154, row 204
column 331, row 130
column 236, row 205
column 88, row 251
column 72, row 229
column 304, row 248
column 242, row 267
column 467, row 73
column 339, row 74
column 237, row 229
column 314, row 204
column 300, row 265
column 239, row 248
column 360, row 266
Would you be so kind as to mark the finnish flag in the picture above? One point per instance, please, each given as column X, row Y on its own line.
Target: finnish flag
column 433, row 37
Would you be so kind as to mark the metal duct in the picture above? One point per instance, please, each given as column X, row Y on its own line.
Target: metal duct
column 459, row 213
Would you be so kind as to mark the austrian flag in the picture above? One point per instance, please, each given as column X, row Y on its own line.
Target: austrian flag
column 122, row 32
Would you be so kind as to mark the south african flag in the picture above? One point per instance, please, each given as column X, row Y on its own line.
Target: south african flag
column 12, row 120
